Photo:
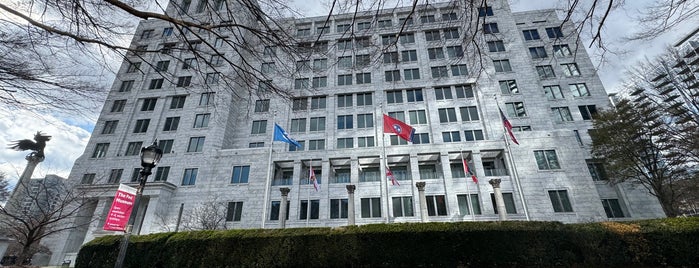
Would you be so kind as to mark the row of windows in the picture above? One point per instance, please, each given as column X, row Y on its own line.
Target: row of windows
column 196, row 144
column 171, row 124
column 176, row 102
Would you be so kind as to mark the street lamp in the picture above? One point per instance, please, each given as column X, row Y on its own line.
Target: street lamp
column 150, row 156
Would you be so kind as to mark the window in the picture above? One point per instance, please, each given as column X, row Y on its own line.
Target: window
column 118, row 106
column 344, row 44
column 597, row 170
column 588, row 112
column 393, row 76
column 177, row 102
column 342, row 175
column 165, row 146
column 301, row 83
column 451, row 136
column 338, row 208
column 577, row 137
column 363, row 78
column 447, row 115
column 322, row 30
column 371, row 207
column 320, row 64
column 188, row 63
column 411, row 74
column 545, row 71
column 532, row 34
column 303, row 32
column 365, row 120
column 100, row 150
column 561, row 114
column 212, row 78
column 421, row 138
column 442, row 93
column 275, row 208
column 258, row 144
column 196, row 144
column 317, row 102
column 395, row 140
column 234, row 211
column 344, row 62
column 294, row 148
column 261, row 106
column 496, row 46
column 171, row 123
column 364, row 99
column 385, row 23
column 135, row 174
column 414, row 95
column 259, row 127
column 553, row 92
column 570, row 69
column 268, row 67
column 546, row 159
column 560, row 201
column 299, row 104
column 218, row 4
column 240, row 174
column 184, row 81
column 343, row 143
column 88, row 178
column 388, row 39
column 455, row 52
column 435, row 53
column 473, row 135
column 344, row 122
column 464, row 200
column 161, row 174
column 459, row 70
column 509, row 203
column 314, row 145
column 408, row 55
column 406, row 21
column 469, row 113
column 490, row 28
column 312, row 213
column 485, row 11
column 161, row 66
column 537, row 52
column 298, row 125
column 133, row 148
column 146, row 34
column 612, row 208
column 439, row 71
column 407, row 38
column 515, row 109
column 155, row 83
column 427, row 19
column 167, row 48
column 403, row 206
column 201, row 120
column 554, row 32
column 365, row 141
column 508, row 87
column 561, row 50
column 344, row 79
column 110, row 126
column 269, row 51
column 190, row 176
column 194, row 45
column 464, row 91
column 341, row 28
column 451, row 33
column 319, row 82
column 115, row 175
column 432, row 35
column 390, row 57
column 436, row 205
column 363, row 25
column 141, row 126
column 362, row 60
column 126, row 86
column 449, row 16
column 579, row 90
column 395, row 96
column 206, row 98
column 502, row 66
column 317, row 124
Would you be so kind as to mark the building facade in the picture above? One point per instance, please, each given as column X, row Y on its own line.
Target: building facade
column 427, row 68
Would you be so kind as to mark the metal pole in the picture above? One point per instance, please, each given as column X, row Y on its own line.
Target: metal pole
column 179, row 217
column 145, row 171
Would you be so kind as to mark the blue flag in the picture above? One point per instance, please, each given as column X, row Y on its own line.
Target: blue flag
column 281, row 135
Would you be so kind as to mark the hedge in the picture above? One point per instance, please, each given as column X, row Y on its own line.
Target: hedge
column 663, row 242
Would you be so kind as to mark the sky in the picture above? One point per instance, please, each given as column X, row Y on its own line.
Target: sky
column 71, row 134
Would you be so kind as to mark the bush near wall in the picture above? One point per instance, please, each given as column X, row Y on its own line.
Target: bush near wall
column 663, row 242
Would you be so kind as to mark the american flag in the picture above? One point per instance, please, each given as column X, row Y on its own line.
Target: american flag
column 467, row 171
column 508, row 126
column 389, row 175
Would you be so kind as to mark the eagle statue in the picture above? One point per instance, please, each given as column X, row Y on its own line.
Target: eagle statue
column 37, row 146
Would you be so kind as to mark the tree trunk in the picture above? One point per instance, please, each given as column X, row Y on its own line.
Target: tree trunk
column 25, row 254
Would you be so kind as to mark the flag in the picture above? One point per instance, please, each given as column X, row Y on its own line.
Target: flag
column 403, row 130
column 467, row 171
column 281, row 135
column 389, row 175
column 312, row 177
column 508, row 126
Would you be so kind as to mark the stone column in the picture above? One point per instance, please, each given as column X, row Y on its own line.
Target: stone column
column 499, row 201
column 23, row 183
column 350, row 203
column 282, row 206
column 423, row 201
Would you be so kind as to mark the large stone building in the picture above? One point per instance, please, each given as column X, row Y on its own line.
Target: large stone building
column 430, row 70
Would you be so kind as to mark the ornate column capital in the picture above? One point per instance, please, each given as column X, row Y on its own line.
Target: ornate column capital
column 350, row 188
column 495, row 182
column 285, row 191
column 420, row 185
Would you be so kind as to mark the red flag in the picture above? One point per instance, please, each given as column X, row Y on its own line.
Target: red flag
column 467, row 171
column 403, row 130
column 312, row 177
column 508, row 126
column 389, row 175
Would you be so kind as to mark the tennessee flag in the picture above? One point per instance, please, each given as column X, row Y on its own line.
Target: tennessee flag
column 312, row 177
column 389, row 175
column 403, row 130
column 467, row 171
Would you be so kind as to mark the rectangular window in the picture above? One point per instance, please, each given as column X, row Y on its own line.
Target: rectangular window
column 417, row 117
column 141, row 126
column 502, row 66
column 298, row 125
column 344, row 122
column 411, row 74
column 455, row 52
column 560, row 201
column 268, row 68
column 118, row 106
column 570, row 69
column 414, row 95
column 515, row 109
column 546, row 159
column 553, row 92
column 407, row 38
column 240, row 174
column 133, row 67
column 427, row 18
column 393, row 76
column 126, row 86
column 320, row 82
column 133, row 148
column 167, row 48
column 508, row 87
column 184, row 81
column 385, row 23
column 269, row 51
column 320, row 64
column 161, row 174
column 408, row 55
column 395, row 140
column 451, row 136
column 317, row 124
column 405, row 21
column 212, row 78
column 146, row 34
column 469, row 113
column 485, row 11
column 338, row 208
column 435, row 53
column 537, row 52
column 579, row 90
column 612, row 208
column 588, row 112
column 364, row 99
column 447, row 115
column 156, row 83
column 432, row 35
column 275, row 208
column 451, row 33
column 177, row 102
column 161, row 66
column 473, row 135
column 201, row 120
column 100, row 150
column 390, row 57
column 110, row 126
column 463, row 202
column 306, row 213
column 363, row 25
column 545, row 71
column 258, row 144
column 365, row 141
column 301, row 83
column 303, row 32
column 259, row 127
column 343, row 143
column 554, row 32
column 318, row 102
column 459, row 70
column 490, row 28
column 509, row 203
column 342, row 175
column 206, row 98
column 561, row 50
column 449, row 16
column 303, row 66
column 171, row 123
column 190, row 176
column 395, row 96
column 344, row 44
column 388, row 39
column 371, row 207
column 443, row 93
column 344, row 79
column 196, row 144
column 261, row 106
column 115, row 176
column 436, row 205
column 532, row 34
column 165, row 146
column 421, row 138
column 341, row 28
column 344, row 62
column 294, row 148
column 561, row 114
column 299, row 104
column 496, row 46
column 597, row 170
column 314, row 145
column 463, row 91
column 403, row 206
column 365, row 120
column 362, row 60
column 234, row 211
column 188, row 63
column 363, row 78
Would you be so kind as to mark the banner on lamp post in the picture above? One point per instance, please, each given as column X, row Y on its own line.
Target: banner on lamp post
column 119, row 213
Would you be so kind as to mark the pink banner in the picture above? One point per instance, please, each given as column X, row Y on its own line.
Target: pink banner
column 118, row 216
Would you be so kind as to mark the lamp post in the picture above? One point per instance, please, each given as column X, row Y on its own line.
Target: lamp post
column 149, row 158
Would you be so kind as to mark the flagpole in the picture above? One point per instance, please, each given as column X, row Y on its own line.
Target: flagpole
column 269, row 171
column 468, row 191
column 384, row 180
column 308, row 191
column 515, row 174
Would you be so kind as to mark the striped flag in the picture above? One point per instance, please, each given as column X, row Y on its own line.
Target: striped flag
column 312, row 177
column 389, row 175
column 467, row 171
column 508, row 126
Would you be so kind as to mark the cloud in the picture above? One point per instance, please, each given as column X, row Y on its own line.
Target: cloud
column 67, row 143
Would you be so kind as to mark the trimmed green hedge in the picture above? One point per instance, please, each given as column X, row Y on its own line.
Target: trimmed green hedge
column 663, row 242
